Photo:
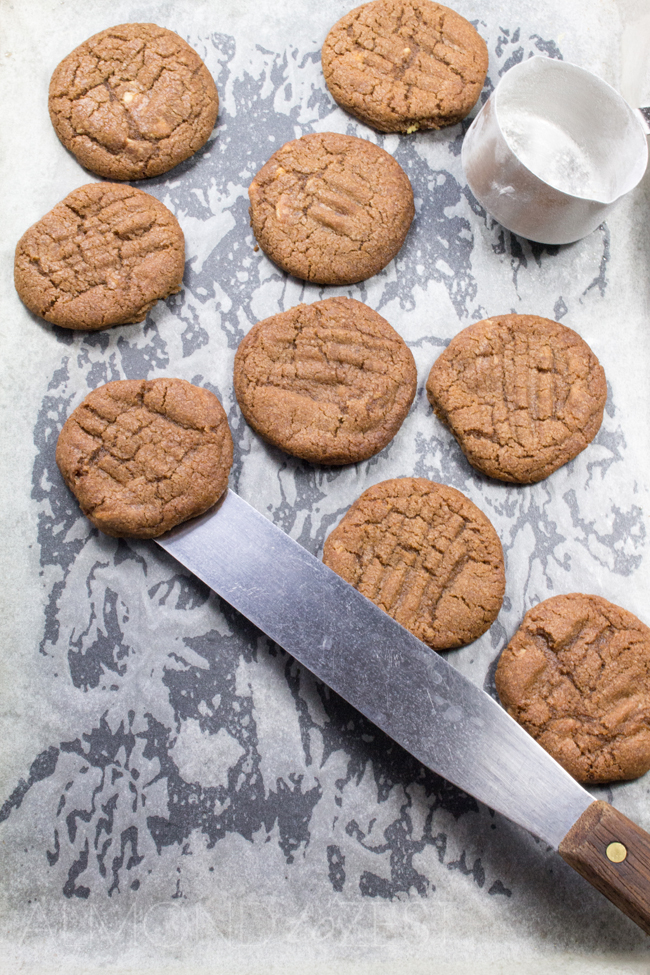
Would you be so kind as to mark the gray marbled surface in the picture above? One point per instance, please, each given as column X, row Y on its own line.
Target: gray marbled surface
column 177, row 794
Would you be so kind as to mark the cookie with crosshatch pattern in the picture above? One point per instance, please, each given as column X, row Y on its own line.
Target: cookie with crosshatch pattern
column 330, row 208
column 523, row 395
column 102, row 256
column 330, row 382
column 133, row 101
column 426, row 555
column 404, row 65
column 144, row 455
column 576, row 676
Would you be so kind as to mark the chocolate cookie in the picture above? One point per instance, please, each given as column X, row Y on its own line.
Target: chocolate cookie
column 103, row 256
column 144, row 455
column 330, row 208
column 426, row 555
column 133, row 101
column 522, row 395
column 403, row 65
column 576, row 675
column 329, row 382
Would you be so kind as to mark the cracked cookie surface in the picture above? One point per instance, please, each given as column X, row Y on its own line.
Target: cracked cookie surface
column 144, row 455
column 330, row 208
column 523, row 395
column 426, row 555
column 576, row 675
column 133, row 101
column 404, row 65
column 102, row 256
column 330, row 382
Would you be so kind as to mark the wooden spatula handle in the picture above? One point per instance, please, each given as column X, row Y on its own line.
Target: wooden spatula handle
column 613, row 854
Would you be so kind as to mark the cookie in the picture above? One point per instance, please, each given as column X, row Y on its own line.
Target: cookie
column 426, row 555
column 403, row 65
column 133, row 101
column 144, row 455
column 331, row 208
column 523, row 395
column 576, row 675
column 329, row 382
column 103, row 256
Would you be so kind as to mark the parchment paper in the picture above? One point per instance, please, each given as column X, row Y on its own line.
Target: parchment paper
column 176, row 794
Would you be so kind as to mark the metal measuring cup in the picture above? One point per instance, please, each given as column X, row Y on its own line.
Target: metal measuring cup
column 553, row 150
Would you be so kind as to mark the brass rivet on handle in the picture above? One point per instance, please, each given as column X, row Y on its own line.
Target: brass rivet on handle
column 616, row 852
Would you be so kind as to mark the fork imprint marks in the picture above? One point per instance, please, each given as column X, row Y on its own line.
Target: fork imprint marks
column 331, row 208
column 522, row 395
column 403, row 65
column 426, row 555
column 330, row 382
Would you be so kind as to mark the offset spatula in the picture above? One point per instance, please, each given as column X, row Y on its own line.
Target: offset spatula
column 411, row 693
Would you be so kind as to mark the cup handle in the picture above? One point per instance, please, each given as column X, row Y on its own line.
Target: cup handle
column 644, row 116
